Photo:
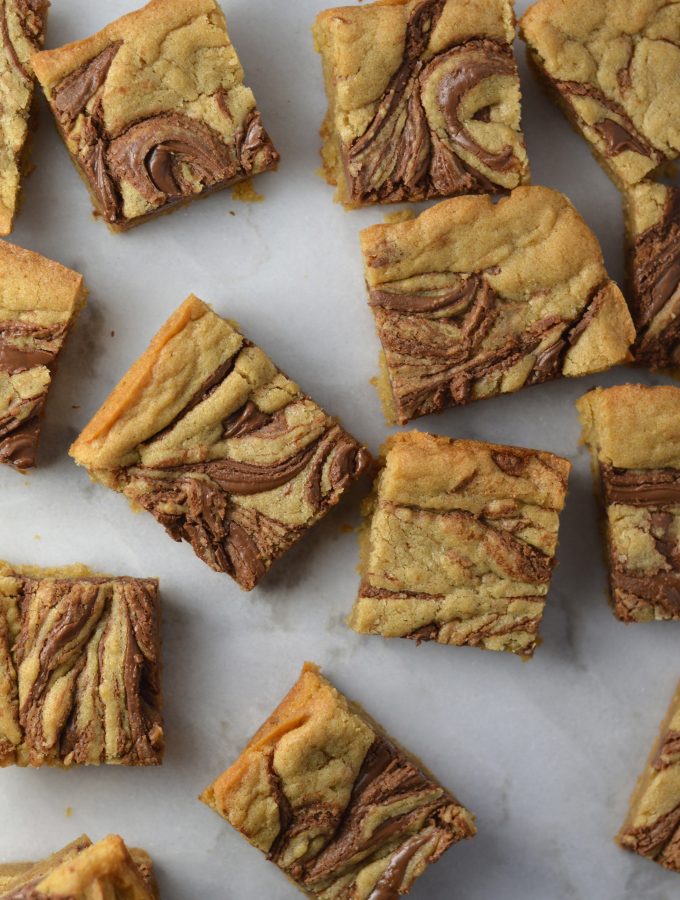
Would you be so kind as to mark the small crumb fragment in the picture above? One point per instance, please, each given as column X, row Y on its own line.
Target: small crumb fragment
column 231, row 212
column 113, row 334
column 69, row 812
column 246, row 193
column 37, row 537
column 75, row 407
column 400, row 215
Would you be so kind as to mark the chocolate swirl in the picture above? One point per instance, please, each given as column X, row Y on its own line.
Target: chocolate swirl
column 401, row 155
column 655, row 271
column 66, row 714
column 73, row 93
column 152, row 154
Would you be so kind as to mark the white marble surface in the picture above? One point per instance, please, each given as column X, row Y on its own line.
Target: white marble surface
column 546, row 753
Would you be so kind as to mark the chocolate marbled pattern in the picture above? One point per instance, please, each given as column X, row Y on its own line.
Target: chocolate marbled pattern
column 654, row 270
column 25, row 346
column 439, row 345
column 401, row 155
column 638, row 594
column 165, row 158
column 85, row 665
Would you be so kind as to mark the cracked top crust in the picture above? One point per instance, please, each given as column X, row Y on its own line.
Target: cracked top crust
column 79, row 668
column 22, row 32
column 613, row 63
column 334, row 802
column 652, row 827
column 473, row 298
column 459, row 542
column 632, row 426
column 424, row 99
column 39, row 299
column 154, row 110
column 219, row 445
column 83, row 871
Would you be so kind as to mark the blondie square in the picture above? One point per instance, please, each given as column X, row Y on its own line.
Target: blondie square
column 633, row 433
column 424, row 100
column 79, row 668
column 459, row 543
column 219, row 445
column 474, row 298
column 653, row 237
column 614, row 68
column 22, row 30
column 83, row 871
column 154, row 111
column 39, row 300
column 334, row 802
column 652, row 827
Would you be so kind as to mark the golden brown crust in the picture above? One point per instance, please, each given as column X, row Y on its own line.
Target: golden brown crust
column 333, row 801
column 464, row 311
column 459, row 543
column 84, row 870
column 154, row 111
column 634, row 434
column 609, row 64
column 219, row 445
column 79, row 668
column 39, row 300
column 424, row 100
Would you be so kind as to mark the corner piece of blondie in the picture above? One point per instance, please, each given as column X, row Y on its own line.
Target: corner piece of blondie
column 459, row 543
column 633, row 433
column 83, row 871
column 154, row 111
column 613, row 66
column 22, row 32
column 653, row 239
column 79, row 668
column 337, row 805
column 424, row 100
column 474, row 298
column 652, row 827
column 39, row 300
column 227, row 453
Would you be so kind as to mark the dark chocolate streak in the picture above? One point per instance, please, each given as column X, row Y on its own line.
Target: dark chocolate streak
column 351, row 840
column 78, row 615
column 400, row 156
column 617, row 137
column 455, row 365
column 655, row 277
column 71, row 96
column 655, row 490
column 154, row 154
column 653, row 839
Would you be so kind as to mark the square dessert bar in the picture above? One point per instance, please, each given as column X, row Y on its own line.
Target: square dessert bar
column 154, row 111
column 79, row 668
column 459, row 543
column 475, row 298
column 424, row 100
column 334, row 802
column 653, row 237
column 39, row 299
column 219, row 445
column 22, row 26
column 613, row 66
column 633, row 433
column 652, row 827
column 83, row 871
